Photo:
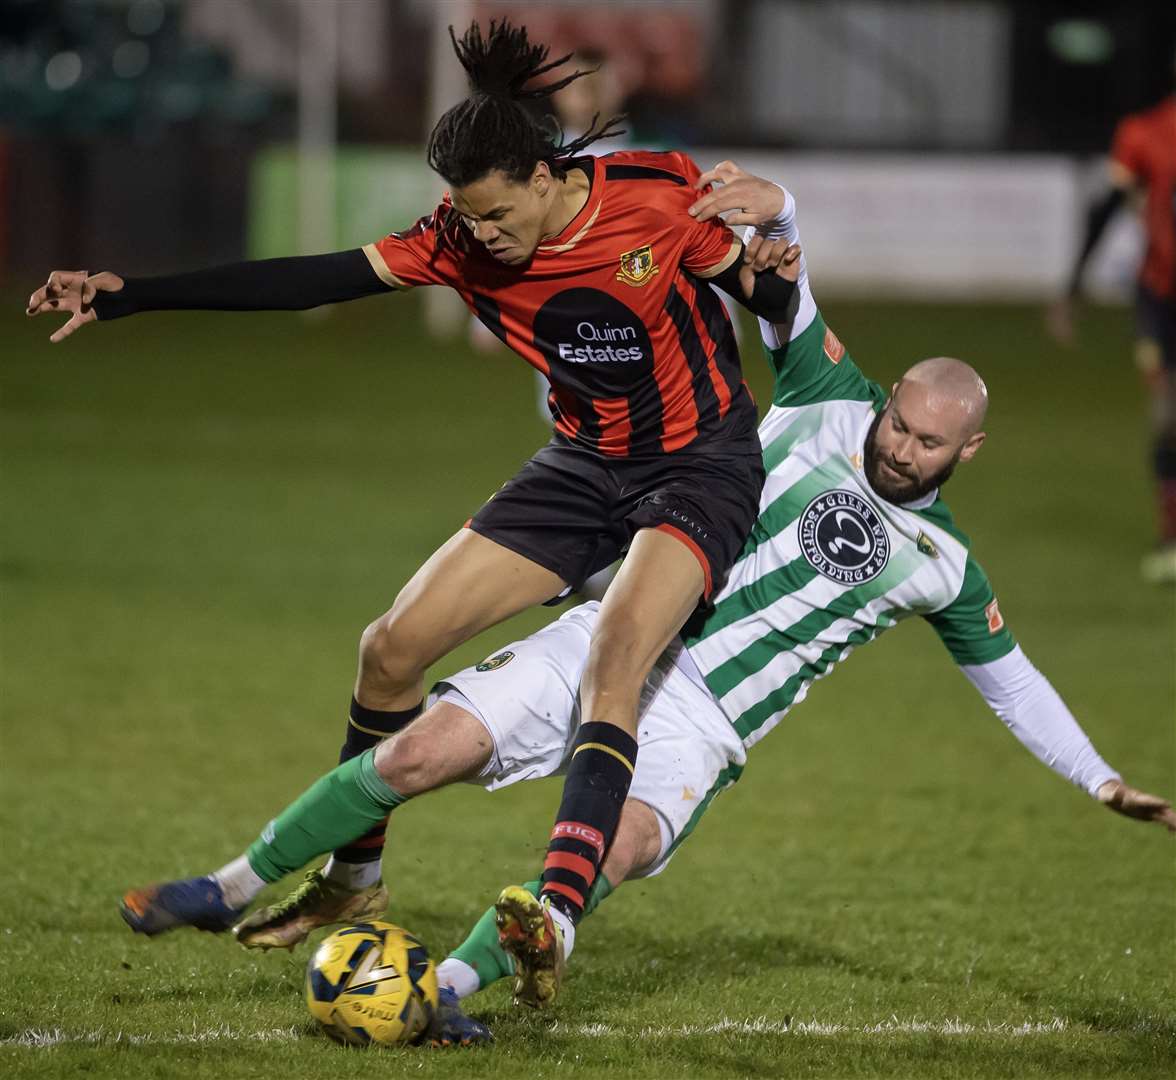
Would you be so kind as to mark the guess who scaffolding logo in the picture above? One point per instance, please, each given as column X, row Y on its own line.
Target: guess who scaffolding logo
column 843, row 538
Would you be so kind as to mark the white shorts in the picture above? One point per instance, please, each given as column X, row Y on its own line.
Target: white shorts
column 526, row 696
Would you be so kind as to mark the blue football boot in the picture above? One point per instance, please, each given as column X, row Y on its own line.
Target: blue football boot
column 451, row 1026
column 196, row 902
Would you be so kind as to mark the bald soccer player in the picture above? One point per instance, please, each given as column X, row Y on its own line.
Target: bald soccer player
column 852, row 537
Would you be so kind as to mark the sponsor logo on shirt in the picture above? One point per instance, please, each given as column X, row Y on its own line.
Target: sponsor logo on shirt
column 833, row 347
column 637, row 266
column 995, row 618
column 607, row 344
column 496, row 661
column 843, row 538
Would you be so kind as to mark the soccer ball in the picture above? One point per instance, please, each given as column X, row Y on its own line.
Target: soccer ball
column 372, row 983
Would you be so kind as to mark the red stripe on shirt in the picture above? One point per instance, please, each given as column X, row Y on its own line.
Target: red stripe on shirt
column 615, row 425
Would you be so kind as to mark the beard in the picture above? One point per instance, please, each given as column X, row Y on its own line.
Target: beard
column 909, row 488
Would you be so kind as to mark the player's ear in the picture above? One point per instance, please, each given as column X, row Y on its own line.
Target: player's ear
column 541, row 178
column 970, row 448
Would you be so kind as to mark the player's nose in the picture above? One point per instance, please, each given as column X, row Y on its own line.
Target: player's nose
column 485, row 232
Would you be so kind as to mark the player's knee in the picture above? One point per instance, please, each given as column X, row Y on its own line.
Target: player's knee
column 388, row 655
column 409, row 762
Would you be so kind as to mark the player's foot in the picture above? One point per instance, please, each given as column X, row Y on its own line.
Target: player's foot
column 1159, row 566
column 318, row 901
column 196, row 902
column 451, row 1026
column 527, row 931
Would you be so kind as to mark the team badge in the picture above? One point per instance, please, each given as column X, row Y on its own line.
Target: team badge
column 925, row 544
column 843, row 538
column 495, row 662
column 637, row 266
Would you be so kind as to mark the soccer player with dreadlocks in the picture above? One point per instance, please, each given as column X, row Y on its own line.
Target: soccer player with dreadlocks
column 593, row 271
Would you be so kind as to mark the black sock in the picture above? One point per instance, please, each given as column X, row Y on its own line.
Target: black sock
column 594, row 792
column 365, row 728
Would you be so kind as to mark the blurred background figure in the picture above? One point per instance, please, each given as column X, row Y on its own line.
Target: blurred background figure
column 1142, row 171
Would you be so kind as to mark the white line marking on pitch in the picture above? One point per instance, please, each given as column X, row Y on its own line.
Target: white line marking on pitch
column 43, row 1038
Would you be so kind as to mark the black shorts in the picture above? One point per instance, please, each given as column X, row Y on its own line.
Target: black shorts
column 1155, row 320
column 575, row 512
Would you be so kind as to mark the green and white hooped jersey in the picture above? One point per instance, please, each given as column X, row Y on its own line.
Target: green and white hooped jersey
column 829, row 564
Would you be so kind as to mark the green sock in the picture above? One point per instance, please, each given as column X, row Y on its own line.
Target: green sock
column 334, row 810
column 481, row 949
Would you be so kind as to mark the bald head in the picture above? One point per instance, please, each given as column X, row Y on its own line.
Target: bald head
column 932, row 422
column 951, row 389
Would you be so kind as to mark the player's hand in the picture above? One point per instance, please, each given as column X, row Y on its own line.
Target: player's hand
column 1059, row 321
column 1129, row 802
column 72, row 291
column 751, row 200
column 761, row 255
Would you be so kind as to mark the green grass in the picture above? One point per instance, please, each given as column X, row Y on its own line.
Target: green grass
column 202, row 512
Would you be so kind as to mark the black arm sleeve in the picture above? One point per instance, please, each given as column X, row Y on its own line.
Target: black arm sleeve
column 1097, row 217
column 774, row 298
column 292, row 284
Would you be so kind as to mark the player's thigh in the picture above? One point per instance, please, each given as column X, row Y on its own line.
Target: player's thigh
column 525, row 696
column 654, row 593
column 470, row 583
column 688, row 752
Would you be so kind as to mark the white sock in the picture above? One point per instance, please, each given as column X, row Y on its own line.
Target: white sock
column 567, row 926
column 458, row 976
column 237, row 881
column 352, row 875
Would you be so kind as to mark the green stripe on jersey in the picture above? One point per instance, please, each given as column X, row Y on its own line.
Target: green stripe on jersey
column 781, row 698
column 787, row 507
column 729, row 674
column 806, row 425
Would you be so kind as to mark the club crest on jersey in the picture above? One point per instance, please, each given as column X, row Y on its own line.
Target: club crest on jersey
column 926, row 545
column 843, row 538
column 637, row 266
column 496, row 661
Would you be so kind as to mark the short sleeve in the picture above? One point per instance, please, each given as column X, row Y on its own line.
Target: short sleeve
column 1129, row 146
column 707, row 242
column 972, row 626
column 407, row 259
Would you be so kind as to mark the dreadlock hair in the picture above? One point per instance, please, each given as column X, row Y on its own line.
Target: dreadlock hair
column 492, row 129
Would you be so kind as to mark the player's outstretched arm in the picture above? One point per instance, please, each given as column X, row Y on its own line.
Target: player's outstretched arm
column 290, row 284
column 1036, row 714
column 1132, row 803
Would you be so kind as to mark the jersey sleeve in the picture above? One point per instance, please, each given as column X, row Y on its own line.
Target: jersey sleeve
column 809, row 361
column 410, row 258
column 1129, row 146
column 971, row 626
column 707, row 242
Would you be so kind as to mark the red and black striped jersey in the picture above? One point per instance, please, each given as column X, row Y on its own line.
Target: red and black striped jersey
column 639, row 350
column 1145, row 145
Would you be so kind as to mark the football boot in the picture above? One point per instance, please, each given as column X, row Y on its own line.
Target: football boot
column 451, row 1026
column 527, row 931
column 318, row 901
column 196, row 902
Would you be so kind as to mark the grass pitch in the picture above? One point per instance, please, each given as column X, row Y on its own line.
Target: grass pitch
column 203, row 511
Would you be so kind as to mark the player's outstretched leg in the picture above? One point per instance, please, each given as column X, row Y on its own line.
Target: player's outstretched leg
column 527, row 931
column 318, row 901
column 196, row 902
column 451, row 1026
